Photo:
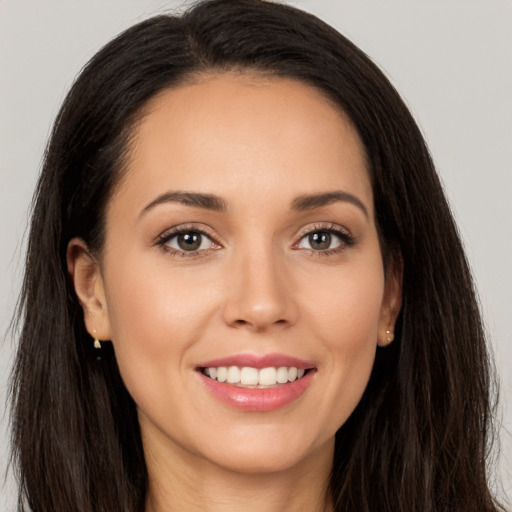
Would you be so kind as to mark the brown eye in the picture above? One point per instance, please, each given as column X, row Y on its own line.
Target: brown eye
column 320, row 241
column 189, row 241
column 323, row 240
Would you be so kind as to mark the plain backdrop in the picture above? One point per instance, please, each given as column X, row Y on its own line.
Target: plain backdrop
column 450, row 59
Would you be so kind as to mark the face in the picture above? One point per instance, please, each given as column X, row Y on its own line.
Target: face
column 241, row 246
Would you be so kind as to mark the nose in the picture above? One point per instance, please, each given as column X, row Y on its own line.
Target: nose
column 260, row 293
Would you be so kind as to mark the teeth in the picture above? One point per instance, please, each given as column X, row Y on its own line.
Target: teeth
column 268, row 377
column 222, row 374
column 282, row 375
column 252, row 377
column 233, row 375
column 249, row 376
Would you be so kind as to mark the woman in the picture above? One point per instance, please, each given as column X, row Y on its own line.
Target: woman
column 244, row 287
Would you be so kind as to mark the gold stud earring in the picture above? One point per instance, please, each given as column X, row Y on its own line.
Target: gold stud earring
column 97, row 343
column 389, row 336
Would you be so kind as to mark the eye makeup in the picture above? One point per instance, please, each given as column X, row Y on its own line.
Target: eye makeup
column 191, row 241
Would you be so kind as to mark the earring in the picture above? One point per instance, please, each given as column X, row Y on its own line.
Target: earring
column 97, row 343
column 389, row 338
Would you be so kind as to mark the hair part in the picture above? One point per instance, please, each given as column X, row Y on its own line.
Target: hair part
column 420, row 436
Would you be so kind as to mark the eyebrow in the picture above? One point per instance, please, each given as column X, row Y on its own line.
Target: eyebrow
column 206, row 201
column 216, row 203
column 312, row 201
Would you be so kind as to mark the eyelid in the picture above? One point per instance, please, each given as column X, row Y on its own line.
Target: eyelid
column 346, row 237
column 170, row 233
column 327, row 226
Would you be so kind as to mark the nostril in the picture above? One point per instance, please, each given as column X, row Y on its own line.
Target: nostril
column 259, row 326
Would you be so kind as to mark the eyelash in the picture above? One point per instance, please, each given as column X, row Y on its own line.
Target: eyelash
column 167, row 236
column 346, row 240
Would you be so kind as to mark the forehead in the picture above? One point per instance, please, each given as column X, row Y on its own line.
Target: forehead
column 239, row 135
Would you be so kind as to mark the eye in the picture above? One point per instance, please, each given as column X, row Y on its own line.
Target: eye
column 320, row 241
column 187, row 241
column 325, row 240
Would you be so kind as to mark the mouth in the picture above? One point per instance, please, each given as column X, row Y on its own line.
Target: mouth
column 257, row 383
column 254, row 378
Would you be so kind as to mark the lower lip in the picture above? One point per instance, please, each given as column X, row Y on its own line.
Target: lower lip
column 258, row 400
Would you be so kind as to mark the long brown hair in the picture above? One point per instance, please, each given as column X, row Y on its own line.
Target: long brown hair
column 419, row 438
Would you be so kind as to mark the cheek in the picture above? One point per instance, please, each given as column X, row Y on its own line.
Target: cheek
column 345, row 305
column 150, row 303
column 155, row 318
column 345, row 319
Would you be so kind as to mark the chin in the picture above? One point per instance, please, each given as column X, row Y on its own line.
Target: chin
column 267, row 454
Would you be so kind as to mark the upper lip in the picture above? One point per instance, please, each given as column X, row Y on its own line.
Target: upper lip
column 258, row 361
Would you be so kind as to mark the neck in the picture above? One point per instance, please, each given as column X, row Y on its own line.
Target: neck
column 183, row 481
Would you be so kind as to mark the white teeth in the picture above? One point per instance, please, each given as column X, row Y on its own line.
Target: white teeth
column 252, row 377
column 249, row 376
column 222, row 374
column 282, row 375
column 233, row 375
column 268, row 377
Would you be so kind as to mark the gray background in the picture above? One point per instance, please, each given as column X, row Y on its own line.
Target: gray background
column 450, row 59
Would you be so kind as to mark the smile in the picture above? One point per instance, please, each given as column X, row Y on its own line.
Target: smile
column 254, row 378
column 253, row 383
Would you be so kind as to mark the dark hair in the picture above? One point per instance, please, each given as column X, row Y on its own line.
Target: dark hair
column 419, row 438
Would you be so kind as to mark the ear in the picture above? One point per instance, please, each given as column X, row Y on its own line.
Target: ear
column 391, row 302
column 85, row 273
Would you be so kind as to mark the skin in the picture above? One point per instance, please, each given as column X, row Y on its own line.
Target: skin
column 258, row 288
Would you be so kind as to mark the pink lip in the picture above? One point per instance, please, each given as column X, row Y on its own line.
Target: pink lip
column 258, row 400
column 254, row 399
column 256, row 361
